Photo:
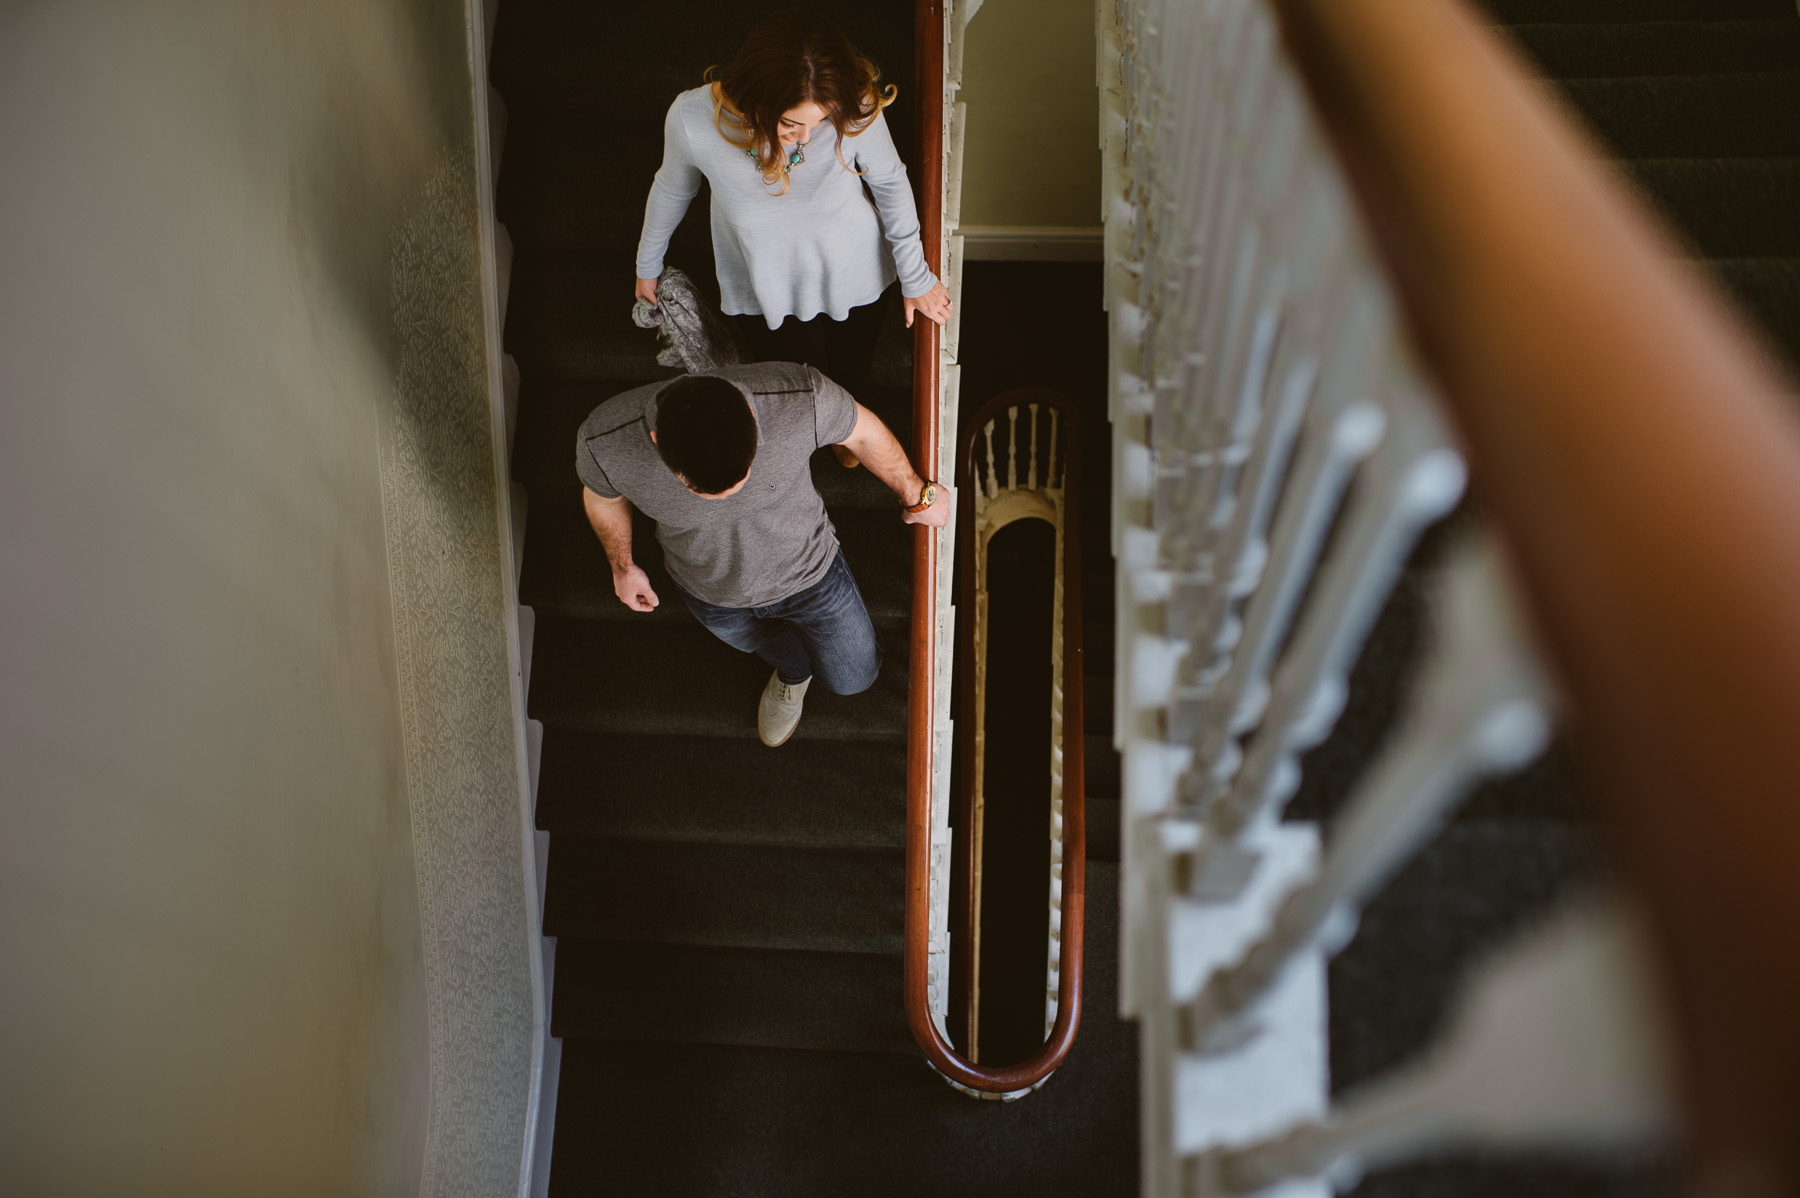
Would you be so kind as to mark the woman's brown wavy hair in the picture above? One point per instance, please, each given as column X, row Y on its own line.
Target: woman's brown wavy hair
column 794, row 58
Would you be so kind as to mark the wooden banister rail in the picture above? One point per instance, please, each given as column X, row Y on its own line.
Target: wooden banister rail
column 1641, row 454
column 928, row 82
column 921, row 700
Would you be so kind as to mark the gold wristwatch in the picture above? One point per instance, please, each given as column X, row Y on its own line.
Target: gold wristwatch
column 927, row 497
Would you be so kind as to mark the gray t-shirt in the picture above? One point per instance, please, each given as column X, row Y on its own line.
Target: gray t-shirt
column 770, row 540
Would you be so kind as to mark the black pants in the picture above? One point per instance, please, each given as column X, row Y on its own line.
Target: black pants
column 843, row 349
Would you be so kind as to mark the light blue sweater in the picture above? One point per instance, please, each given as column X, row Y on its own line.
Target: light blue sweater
column 833, row 242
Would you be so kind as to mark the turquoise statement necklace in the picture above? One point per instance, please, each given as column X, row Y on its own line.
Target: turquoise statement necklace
column 798, row 157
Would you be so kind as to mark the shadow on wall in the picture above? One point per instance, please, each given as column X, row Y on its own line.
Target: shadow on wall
column 209, row 906
column 359, row 161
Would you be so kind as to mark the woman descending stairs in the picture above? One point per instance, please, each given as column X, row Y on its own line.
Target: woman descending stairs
column 727, row 916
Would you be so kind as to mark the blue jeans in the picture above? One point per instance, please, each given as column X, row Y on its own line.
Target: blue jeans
column 823, row 630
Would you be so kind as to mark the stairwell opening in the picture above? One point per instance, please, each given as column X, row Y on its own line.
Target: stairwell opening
column 1014, row 867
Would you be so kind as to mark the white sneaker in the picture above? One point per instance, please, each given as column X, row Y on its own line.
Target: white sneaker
column 779, row 711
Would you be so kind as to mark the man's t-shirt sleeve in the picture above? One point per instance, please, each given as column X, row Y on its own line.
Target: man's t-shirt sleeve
column 834, row 410
column 592, row 476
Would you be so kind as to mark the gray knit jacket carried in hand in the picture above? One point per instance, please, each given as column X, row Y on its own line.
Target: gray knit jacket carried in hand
column 833, row 242
column 689, row 334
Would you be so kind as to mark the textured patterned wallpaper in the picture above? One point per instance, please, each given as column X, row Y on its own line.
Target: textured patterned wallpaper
column 445, row 563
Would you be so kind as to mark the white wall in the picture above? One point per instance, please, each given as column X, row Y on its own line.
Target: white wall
column 213, row 979
column 1032, row 158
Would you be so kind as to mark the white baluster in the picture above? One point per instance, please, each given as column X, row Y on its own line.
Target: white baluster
column 1412, row 480
column 1556, row 1044
column 1206, row 608
column 1483, row 707
column 1012, row 448
column 1031, row 460
column 1261, row 407
column 993, row 476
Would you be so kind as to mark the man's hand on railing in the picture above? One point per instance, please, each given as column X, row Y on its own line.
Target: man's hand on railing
column 886, row 459
column 935, row 516
column 934, row 303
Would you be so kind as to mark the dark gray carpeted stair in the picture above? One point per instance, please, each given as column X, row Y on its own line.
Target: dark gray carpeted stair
column 1698, row 102
column 1691, row 116
column 829, row 898
column 1727, row 207
column 689, row 788
column 1597, row 12
column 1659, row 48
column 671, row 676
column 734, row 1118
column 729, row 917
column 764, row 997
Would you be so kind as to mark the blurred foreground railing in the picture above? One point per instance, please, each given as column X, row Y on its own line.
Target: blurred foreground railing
column 1279, row 450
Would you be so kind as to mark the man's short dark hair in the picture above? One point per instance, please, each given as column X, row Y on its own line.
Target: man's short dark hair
column 705, row 432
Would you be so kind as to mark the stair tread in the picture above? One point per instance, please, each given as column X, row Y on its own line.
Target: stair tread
column 1768, row 289
column 730, row 789
column 1692, row 116
column 1097, row 712
column 541, row 47
column 706, row 994
column 756, row 896
column 571, row 319
column 643, row 1117
column 1725, row 207
column 669, row 676
column 1572, row 51
column 562, row 185
column 1103, row 832
column 1577, row 12
column 1101, row 764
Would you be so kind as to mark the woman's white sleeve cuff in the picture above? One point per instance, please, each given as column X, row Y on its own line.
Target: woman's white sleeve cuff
column 931, row 281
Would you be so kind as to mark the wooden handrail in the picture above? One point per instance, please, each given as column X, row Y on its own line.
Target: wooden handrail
column 922, row 647
column 928, row 80
column 1641, row 454
column 1074, row 855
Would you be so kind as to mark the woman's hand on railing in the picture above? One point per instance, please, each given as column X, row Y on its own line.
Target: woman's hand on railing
column 646, row 290
column 934, row 303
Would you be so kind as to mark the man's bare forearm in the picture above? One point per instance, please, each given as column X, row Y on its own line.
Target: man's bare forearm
column 884, row 456
column 611, row 520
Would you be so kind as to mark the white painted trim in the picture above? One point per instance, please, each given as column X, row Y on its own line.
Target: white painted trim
column 949, row 390
column 479, row 17
column 553, row 1046
column 546, row 1132
column 1033, row 243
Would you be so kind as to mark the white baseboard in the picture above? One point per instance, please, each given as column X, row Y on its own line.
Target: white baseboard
column 1032, row 243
